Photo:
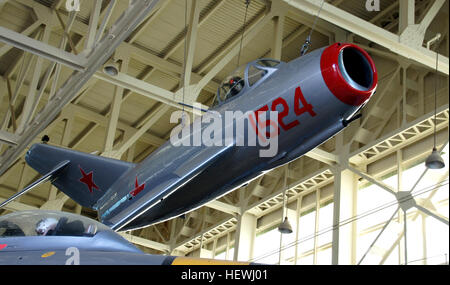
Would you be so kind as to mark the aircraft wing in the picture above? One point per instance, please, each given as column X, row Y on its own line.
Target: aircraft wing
column 185, row 164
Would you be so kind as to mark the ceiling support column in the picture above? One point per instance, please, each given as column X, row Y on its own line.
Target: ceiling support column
column 343, row 243
column 114, row 115
column 345, row 207
column 244, row 237
column 407, row 14
column 277, row 44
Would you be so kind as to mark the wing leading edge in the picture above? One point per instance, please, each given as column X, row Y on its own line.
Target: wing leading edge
column 174, row 178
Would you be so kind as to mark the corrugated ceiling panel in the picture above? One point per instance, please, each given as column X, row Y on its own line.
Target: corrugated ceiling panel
column 138, row 105
column 225, row 26
column 216, row 31
column 99, row 97
column 171, row 47
column 163, row 126
column 134, row 108
column 164, row 28
column 15, row 18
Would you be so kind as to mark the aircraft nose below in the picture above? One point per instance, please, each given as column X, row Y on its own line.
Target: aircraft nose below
column 349, row 73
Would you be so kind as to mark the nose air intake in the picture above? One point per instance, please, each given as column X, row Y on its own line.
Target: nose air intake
column 349, row 73
column 355, row 69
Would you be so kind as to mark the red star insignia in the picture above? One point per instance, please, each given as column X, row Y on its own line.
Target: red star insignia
column 138, row 188
column 88, row 180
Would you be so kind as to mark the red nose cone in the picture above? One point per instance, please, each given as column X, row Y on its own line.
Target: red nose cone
column 349, row 72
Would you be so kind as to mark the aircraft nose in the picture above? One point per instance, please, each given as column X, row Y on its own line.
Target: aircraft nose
column 349, row 72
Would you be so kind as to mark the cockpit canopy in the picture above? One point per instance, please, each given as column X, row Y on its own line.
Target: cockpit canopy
column 48, row 223
column 244, row 78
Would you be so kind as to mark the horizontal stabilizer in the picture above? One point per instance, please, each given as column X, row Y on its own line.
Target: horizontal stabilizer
column 38, row 182
column 85, row 179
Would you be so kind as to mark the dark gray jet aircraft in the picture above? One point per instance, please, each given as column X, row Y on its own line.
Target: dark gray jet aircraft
column 60, row 238
column 316, row 96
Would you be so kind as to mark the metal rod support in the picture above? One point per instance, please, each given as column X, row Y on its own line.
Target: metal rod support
column 41, row 49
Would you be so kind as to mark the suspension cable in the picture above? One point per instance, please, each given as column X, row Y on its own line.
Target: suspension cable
column 247, row 3
column 435, row 96
column 308, row 42
column 183, row 78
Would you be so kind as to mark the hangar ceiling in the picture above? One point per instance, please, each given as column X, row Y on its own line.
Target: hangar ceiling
column 52, row 82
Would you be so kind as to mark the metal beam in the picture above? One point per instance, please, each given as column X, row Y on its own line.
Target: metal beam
column 32, row 96
column 145, row 242
column 103, row 121
column 107, row 16
column 164, row 65
column 115, row 111
column 224, row 207
column 363, row 134
column 120, row 30
column 433, row 214
column 191, row 40
column 156, row 115
column 373, row 180
column 27, row 32
column 55, row 204
column 17, row 206
column 321, row 155
column 8, row 138
column 399, row 138
column 431, row 14
column 170, row 68
column 407, row 14
column 93, row 22
column 379, row 234
column 249, row 35
column 301, row 186
column 367, row 30
column 144, row 56
column 277, row 44
column 39, row 48
column 141, row 87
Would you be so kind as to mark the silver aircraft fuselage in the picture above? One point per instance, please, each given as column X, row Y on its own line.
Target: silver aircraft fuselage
column 315, row 95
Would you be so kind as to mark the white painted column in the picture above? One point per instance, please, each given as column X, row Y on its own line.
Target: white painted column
column 424, row 238
column 404, row 91
column 115, row 111
column 407, row 17
column 227, row 250
column 344, row 237
column 206, row 253
column 316, row 226
column 297, row 227
column 245, row 237
column 277, row 43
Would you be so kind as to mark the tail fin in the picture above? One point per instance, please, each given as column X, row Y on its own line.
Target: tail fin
column 85, row 179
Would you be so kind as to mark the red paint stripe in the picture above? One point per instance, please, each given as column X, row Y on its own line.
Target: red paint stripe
column 329, row 65
column 255, row 127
